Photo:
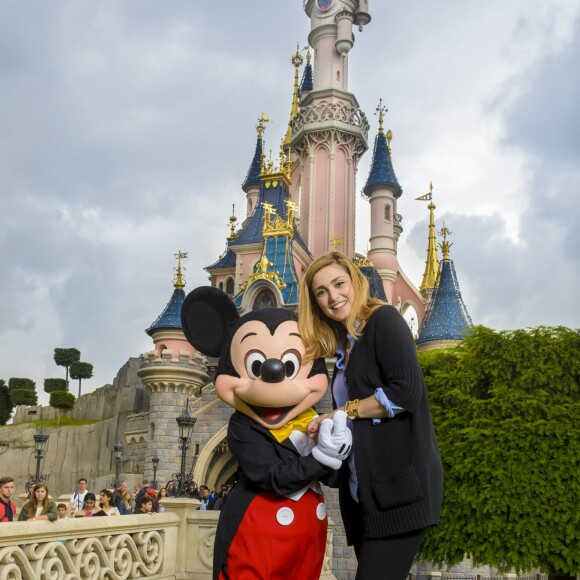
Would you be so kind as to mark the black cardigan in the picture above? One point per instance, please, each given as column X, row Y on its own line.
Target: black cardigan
column 397, row 461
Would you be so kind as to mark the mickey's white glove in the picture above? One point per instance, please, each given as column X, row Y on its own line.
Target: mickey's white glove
column 334, row 441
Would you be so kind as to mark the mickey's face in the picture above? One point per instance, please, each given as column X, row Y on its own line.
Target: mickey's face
column 273, row 385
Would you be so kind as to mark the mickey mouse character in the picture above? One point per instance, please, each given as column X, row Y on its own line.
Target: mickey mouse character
column 273, row 525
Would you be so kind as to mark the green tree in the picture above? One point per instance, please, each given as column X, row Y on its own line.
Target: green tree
column 505, row 407
column 6, row 405
column 51, row 385
column 62, row 401
column 22, row 391
column 63, row 357
column 81, row 370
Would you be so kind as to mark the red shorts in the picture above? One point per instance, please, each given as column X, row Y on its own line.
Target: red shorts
column 279, row 539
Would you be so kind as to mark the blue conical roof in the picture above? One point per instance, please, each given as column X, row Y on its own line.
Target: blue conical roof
column 307, row 83
column 171, row 315
column 253, row 176
column 382, row 172
column 376, row 288
column 446, row 317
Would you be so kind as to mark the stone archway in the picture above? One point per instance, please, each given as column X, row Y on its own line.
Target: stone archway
column 201, row 472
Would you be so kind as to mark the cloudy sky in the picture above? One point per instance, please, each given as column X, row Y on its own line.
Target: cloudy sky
column 126, row 129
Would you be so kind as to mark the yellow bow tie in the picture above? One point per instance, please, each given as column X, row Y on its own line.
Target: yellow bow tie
column 297, row 424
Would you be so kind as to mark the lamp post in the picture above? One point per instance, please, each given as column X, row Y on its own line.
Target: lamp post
column 118, row 450
column 40, row 439
column 185, row 424
column 155, row 462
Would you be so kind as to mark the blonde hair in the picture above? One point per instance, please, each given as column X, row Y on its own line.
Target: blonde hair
column 33, row 503
column 319, row 333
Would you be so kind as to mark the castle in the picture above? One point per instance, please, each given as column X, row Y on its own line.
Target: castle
column 298, row 206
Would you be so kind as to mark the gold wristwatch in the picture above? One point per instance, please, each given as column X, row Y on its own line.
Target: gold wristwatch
column 351, row 408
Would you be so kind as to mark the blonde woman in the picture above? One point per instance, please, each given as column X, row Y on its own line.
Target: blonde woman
column 390, row 489
column 126, row 505
column 39, row 507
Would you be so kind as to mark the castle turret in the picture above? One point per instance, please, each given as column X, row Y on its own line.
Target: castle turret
column 432, row 262
column 382, row 190
column 173, row 373
column 446, row 319
column 329, row 134
column 251, row 184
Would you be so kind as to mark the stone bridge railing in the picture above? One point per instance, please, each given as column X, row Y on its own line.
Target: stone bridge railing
column 177, row 544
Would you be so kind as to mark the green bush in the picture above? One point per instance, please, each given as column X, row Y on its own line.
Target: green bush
column 505, row 407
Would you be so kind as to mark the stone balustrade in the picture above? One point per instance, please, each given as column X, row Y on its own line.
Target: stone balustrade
column 176, row 544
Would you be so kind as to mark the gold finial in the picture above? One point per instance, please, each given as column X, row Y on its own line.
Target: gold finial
column 297, row 61
column 270, row 164
column 389, row 139
column 262, row 163
column 233, row 220
column 445, row 245
column 380, row 111
column 179, row 280
column 261, row 127
column 308, row 53
column 432, row 262
column 334, row 242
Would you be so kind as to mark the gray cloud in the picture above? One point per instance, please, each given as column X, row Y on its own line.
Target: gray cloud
column 127, row 128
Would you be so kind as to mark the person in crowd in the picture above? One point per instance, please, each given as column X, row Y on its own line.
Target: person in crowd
column 222, row 498
column 88, row 508
column 119, row 493
column 193, row 491
column 162, row 494
column 170, row 487
column 105, row 503
column 39, row 506
column 136, row 488
column 390, row 489
column 78, row 497
column 146, row 506
column 142, row 491
column 206, row 502
column 62, row 510
column 7, row 506
column 126, row 505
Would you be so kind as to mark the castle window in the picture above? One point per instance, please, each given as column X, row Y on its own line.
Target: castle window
column 230, row 286
column 265, row 299
column 221, row 286
column 387, row 212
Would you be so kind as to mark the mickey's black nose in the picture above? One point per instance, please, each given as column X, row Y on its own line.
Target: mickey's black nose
column 272, row 371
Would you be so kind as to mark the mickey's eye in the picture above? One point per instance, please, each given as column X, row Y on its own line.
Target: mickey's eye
column 254, row 360
column 291, row 360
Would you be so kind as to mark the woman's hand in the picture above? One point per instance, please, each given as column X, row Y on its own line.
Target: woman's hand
column 314, row 425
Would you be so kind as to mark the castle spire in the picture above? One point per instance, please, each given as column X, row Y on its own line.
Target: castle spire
column 432, row 261
column 170, row 318
column 446, row 318
column 253, row 176
column 297, row 61
column 307, row 83
column 382, row 173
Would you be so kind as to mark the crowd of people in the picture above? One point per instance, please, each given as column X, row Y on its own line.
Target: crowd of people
column 144, row 499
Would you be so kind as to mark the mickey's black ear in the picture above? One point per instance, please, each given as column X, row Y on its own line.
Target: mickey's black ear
column 206, row 318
